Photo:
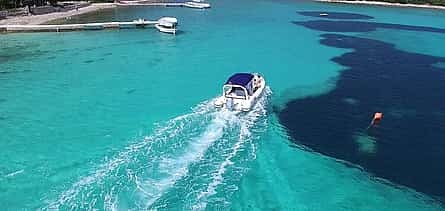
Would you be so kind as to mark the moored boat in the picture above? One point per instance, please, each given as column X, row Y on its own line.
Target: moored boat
column 197, row 4
column 241, row 91
column 167, row 25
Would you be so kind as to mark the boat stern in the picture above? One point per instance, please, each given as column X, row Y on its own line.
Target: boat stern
column 232, row 104
column 219, row 102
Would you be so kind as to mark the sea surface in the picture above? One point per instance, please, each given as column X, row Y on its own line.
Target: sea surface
column 123, row 119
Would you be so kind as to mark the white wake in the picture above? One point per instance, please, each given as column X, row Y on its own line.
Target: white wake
column 90, row 190
column 245, row 135
column 146, row 171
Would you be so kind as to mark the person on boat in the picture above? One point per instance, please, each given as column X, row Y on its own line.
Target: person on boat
column 256, row 83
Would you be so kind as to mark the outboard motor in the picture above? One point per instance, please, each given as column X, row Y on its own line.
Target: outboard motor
column 229, row 104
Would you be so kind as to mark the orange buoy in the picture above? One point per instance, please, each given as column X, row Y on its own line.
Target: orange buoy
column 377, row 117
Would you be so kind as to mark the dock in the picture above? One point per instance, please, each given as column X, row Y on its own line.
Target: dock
column 75, row 27
column 148, row 3
column 136, row 3
column 190, row 4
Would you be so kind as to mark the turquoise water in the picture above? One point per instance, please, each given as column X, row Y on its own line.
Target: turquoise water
column 123, row 119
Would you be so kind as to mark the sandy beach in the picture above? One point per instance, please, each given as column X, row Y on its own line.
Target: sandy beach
column 384, row 4
column 40, row 19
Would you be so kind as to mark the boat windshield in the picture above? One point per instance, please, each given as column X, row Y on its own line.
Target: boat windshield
column 234, row 92
column 170, row 23
column 169, row 26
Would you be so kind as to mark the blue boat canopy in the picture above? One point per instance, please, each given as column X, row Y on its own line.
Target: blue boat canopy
column 241, row 79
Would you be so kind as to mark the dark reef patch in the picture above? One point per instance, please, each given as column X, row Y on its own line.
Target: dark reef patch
column 334, row 15
column 360, row 26
column 408, row 146
column 88, row 61
column 440, row 65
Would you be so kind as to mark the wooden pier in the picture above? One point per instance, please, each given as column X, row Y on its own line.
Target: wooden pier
column 74, row 27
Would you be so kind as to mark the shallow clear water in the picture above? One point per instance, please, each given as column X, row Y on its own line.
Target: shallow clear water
column 123, row 119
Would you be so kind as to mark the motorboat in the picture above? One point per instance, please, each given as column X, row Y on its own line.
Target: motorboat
column 197, row 4
column 167, row 25
column 241, row 91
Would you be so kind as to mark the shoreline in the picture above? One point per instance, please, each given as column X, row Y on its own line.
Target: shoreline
column 40, row 19
column 378, row 3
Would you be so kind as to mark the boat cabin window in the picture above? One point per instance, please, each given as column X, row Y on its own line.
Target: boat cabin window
column 169, row 26
column 234, row 92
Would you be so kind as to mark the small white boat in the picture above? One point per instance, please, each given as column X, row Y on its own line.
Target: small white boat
column 241, row 91
column 197, row 4
column 167, row 25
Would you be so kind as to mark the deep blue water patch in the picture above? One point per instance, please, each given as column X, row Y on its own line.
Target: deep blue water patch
column 334, row 15
column 360, row 26
column 408, row 146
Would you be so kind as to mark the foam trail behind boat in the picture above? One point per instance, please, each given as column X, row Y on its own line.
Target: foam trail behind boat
column 245, row 135
column 124, row 171
column 214, row 177
column 140, row 176
column 176, row 167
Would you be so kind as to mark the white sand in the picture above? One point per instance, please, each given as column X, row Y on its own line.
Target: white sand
column 39, row 19
column 384, row 4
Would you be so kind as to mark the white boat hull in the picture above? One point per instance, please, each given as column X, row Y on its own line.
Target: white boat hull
column 197, row 5
column 241, row 104
column 166, row 30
